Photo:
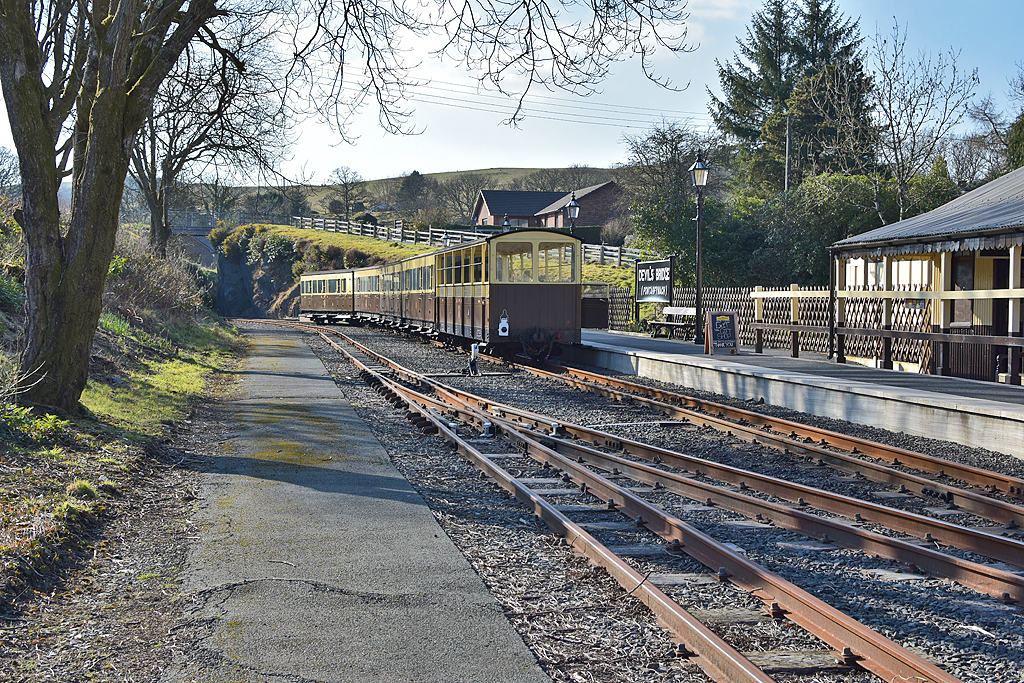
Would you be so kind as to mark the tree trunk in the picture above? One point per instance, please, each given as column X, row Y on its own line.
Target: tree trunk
column 159, row 232
column 65, row 275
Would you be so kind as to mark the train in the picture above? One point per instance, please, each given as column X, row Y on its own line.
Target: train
column 510, row 292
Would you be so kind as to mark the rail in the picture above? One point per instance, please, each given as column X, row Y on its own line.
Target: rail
column 601, row 254
column 855, row 641
column 538, row 439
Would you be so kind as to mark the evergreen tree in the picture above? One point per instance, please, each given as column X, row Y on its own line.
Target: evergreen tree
column 783, row 83
column 1015, row 143
column 759, row 79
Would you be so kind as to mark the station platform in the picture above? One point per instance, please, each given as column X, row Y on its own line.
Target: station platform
column 979, row 414
column 317, row 560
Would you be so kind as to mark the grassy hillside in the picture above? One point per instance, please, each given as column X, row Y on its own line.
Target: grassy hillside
column 389, row 251
column 318, row 195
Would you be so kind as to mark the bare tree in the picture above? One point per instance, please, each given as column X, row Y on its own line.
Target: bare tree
column 66, row 65
column 560, row 179
column 348, row 192
column 218, row 105
column 9, row 173
column 457, row 194
column 975, row 157
column 918, row 101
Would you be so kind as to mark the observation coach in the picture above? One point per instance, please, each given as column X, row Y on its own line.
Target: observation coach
column 511, row 292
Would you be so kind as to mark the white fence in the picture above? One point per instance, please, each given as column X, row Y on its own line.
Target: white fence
column 397, row 232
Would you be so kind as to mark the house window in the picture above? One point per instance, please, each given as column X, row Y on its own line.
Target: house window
column 963, row 279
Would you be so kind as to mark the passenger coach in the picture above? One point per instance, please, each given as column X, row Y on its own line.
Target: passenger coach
column 515, row 291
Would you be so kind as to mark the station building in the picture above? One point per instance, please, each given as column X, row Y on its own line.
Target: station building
column 939, row 277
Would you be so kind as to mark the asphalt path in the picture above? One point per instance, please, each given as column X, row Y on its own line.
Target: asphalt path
column 317, row 561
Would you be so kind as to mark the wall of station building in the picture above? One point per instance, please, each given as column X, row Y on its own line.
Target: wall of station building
column 922, row 272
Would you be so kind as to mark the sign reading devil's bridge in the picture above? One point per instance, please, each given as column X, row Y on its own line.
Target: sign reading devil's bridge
column 654, row 281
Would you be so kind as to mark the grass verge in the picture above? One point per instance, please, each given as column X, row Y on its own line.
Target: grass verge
column 58, row 477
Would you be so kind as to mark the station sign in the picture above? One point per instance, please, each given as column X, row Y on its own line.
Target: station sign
column 654, row 281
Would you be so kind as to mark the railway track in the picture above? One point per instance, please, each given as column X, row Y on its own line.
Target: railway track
column 819, row 446
column 574, row 461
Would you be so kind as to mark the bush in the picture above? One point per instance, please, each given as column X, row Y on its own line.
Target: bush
column 219, row 234
column 23, row 424
column 140, row 282
column 12, row 294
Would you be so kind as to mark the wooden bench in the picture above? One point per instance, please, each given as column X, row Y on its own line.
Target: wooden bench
column 676, row 318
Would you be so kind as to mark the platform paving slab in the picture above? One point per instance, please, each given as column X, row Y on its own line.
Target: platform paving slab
column 979, row 414
column 316, row 559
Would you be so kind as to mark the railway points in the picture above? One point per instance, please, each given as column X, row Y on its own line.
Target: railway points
column 973, row 413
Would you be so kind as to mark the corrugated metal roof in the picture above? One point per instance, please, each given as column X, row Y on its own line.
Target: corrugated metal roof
column 994, row 207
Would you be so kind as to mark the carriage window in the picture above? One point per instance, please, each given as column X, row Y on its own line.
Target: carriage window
column 556, row 262
column 478, row 264
column 514, row 262
column 429, row 272
column 332, row 286
column 344, row 286
column 457, row 269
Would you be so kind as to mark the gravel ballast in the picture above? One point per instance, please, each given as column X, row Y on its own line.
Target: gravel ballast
column 549, row 594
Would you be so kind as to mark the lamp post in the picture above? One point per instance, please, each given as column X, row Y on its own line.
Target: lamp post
column 505, row 225
column 699, row 176
column 573, row 209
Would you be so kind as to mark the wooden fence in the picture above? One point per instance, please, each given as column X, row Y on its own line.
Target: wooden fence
column 864, row 313
column 397, row 232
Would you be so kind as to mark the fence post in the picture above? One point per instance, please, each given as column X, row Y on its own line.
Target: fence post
column 759, row 318
column 840, row 276
column 794, row 319
column 618, row 260
column 1014, row 317
column 887, row 305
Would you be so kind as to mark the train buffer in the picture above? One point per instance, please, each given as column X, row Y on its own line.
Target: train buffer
column 682, row 318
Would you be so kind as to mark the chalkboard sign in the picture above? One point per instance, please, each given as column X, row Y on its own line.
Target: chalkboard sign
column 723, row 332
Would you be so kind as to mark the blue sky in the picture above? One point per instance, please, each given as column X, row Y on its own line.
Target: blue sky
column 462, row 129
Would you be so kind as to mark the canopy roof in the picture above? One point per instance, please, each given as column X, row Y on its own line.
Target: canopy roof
column 990, row 217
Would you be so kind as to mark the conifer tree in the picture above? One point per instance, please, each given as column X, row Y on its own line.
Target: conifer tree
column 795, row 52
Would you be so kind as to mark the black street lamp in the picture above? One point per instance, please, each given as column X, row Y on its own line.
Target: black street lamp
column 505, row 225
column 699, row 176
column 573, row 209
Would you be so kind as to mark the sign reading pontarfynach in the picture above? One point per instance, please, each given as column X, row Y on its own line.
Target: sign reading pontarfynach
column 654, row 281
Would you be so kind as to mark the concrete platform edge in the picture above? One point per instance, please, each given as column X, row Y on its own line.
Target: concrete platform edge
column 979, row 423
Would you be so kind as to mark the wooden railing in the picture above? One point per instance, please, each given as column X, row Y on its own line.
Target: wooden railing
column 901, row 321
column 397, row 232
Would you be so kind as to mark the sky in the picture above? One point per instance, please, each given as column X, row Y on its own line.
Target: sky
column 462, row 128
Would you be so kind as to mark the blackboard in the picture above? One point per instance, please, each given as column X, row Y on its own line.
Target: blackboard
column 723, row 332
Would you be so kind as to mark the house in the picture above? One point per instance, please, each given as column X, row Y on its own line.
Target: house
column 960, row 265
column 525, row 209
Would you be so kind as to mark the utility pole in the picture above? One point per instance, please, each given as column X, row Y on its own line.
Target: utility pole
column 786, row 183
